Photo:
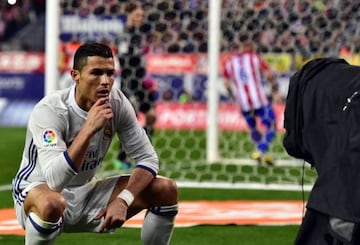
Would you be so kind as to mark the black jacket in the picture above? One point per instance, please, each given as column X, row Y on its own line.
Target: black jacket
column 322, row 122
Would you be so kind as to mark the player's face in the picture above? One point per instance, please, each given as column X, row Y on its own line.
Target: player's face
column 137, row 17
column 94, row 81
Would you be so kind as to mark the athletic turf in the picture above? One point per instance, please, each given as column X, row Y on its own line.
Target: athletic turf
column 11, row 144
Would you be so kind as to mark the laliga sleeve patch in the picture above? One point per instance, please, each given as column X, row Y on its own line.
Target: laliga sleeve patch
column 49, row 138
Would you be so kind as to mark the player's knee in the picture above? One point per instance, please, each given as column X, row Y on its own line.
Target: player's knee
column 53, row 207
column 166, row 190
column 170, row 188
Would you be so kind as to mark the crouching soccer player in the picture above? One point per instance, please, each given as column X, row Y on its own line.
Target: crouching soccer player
column 68, row 134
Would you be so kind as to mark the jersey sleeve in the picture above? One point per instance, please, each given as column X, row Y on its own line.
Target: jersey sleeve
column 263, row 65
column 227, row 69
column 48, row 128
column 134, row 139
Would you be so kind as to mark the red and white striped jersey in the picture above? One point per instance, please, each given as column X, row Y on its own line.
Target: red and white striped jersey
column 244, row 70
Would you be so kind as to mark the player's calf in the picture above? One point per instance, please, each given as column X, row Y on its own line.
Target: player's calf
column 158, row 225
column 159, row 220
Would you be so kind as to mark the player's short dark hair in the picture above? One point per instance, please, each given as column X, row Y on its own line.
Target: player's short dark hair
column 90, row 49
column 131, row 7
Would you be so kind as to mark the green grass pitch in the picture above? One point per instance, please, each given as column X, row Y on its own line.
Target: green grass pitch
column 11, row 144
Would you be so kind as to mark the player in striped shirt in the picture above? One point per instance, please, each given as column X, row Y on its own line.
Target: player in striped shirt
column 69, row 132
column 243, row 73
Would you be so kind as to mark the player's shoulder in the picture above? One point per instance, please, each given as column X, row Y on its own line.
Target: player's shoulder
column 56, row 101
column 119, row 101
column 116, row 94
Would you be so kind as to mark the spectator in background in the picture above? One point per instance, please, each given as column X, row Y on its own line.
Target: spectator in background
column 243, row 79
column 140, row 89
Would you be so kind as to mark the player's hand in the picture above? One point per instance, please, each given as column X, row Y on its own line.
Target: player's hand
column 99, row 114
column 114, row 215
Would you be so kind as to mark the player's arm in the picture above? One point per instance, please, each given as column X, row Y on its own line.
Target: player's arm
column 271, row 78
column 116, row 213
column 134, row 139
column 276, row 96
column 137, row 146
column 146, row 159
column 227, row 83
column 227, row 79
column 97, row 116
column 59, row 162
column 47, row 128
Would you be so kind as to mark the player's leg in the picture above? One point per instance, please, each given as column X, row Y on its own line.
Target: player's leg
column 268, row 119
column 161, row 201
column 159, row 220
column 42, row 215
column 255, row 134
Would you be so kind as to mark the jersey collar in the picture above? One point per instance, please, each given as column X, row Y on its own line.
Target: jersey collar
column 75, row 105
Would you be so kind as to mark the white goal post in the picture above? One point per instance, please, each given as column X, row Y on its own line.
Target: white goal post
column 52, row 28
column 212, row 154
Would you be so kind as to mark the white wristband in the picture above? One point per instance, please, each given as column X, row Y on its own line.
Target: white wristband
column 127, row 196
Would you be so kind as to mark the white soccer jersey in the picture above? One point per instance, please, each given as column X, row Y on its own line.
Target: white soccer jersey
column 55, row 122
column 244, row 70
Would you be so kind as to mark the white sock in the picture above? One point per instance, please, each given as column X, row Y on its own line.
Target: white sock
column 39, row 232
column 158, row 225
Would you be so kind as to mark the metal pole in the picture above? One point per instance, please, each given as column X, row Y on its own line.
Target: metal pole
column 213, row 73
column 52, row 26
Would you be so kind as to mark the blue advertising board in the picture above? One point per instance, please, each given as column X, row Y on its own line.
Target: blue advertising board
column 25, row 86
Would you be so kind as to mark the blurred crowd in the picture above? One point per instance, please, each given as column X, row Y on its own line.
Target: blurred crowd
column 14, row 18
column 306, row 27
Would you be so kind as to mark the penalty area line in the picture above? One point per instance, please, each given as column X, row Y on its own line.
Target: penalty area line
column 5, row 187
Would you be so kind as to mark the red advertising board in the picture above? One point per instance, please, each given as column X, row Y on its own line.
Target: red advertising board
column 174, row 115
column 180, row 63
column 22, row 62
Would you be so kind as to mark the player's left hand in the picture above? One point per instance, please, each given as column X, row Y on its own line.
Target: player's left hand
column 114, row 215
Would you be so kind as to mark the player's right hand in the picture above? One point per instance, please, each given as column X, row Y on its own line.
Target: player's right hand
column 114, row 215
column 99, row 114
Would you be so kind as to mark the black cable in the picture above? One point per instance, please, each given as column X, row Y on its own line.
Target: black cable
column 302, row 189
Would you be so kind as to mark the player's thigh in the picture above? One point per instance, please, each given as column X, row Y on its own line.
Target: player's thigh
column 250, row 118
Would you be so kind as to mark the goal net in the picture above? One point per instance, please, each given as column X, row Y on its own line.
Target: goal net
column 175, row 38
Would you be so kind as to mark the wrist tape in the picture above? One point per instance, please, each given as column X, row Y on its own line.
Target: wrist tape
column 127, row 196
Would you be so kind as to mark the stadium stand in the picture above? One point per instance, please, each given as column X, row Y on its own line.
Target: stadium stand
column 20, row 23
column 307, row 27
column 303, row 29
